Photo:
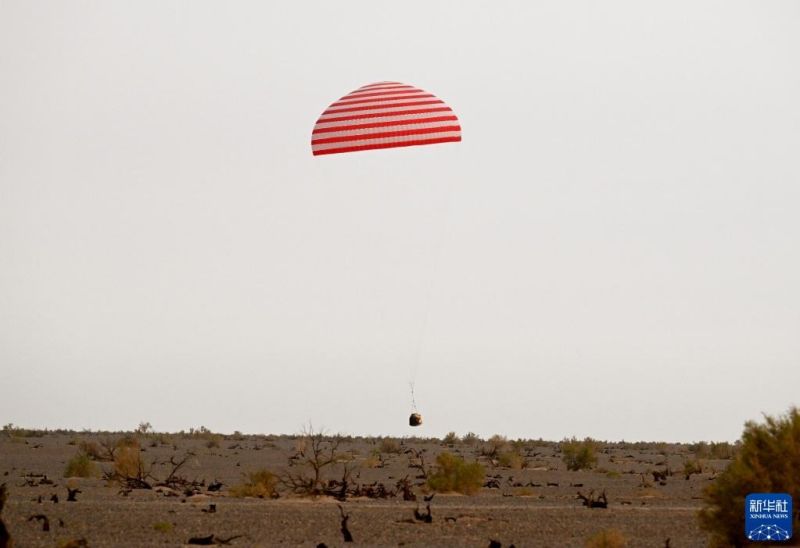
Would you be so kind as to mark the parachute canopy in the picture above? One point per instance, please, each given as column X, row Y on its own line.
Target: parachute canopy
column 384, row 115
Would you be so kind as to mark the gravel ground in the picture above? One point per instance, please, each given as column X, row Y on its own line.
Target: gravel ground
column 533, row 506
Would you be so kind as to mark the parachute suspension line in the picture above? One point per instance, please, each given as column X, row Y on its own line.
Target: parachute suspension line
column 444, row 211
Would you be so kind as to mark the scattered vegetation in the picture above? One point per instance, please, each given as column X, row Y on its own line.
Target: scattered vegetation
column 692, row 466
column 470, row 438
column 714, row 450
column 511, row 459
column 579, row 455
column 260, row 484
column 453, row 474
column 390, row 445
column 494, row 446
column 607, row 538
column 13, row 431
column 80, row 466
column 451, row 439
column 163, row 527
column 768, row 461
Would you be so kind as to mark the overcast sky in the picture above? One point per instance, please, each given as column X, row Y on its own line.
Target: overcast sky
column 612, row 251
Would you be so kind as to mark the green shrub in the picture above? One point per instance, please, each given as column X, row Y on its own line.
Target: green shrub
column 261, row 484
column 453, row 474
column 511, row 459
column 163, row 526
column 692, row 467
column 80, row 466
column 768, row 461
column 578, row 455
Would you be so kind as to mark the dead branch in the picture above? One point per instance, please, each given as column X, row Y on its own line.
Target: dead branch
column 417, row 461
column 348, row 537
column 41, row 517
column 591, row 502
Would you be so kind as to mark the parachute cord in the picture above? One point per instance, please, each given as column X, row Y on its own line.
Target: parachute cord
column 432, row 279
column 413, row 400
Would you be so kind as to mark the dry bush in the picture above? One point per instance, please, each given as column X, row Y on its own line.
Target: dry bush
column 607, row 538
column 714, row 450
column 80, row 466
column 470, row 438
column 390, row 445
column 768, row 461
column 316, row 453
column 129, row 467
column 94, row 450
column 511, row 459
column 578, row 455
column 451, row 439
column 494, row 446
column 261, row 484
column 453, row 474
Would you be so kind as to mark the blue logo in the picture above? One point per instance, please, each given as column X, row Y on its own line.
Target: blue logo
column 768, row 517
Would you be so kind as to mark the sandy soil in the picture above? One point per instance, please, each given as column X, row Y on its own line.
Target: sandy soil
column 533, row 506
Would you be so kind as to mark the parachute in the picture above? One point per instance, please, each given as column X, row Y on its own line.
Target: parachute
column 384, row 115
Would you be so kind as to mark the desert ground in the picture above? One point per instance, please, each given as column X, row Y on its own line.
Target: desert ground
column 194, row 485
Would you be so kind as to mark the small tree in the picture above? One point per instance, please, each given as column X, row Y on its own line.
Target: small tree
column 315, row 453
column 768, row 461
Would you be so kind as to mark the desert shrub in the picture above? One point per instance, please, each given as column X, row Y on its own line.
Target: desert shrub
column 578, row 455
column 768, row 461
column 80, row 466
column 128, row 463
column 157, row 439
column 451, row 438
column 93, row 450
column 261, row 483
column 607, row 538
column 470, row 438
column 389, row 445
column 692, row 466
column 511, row 459
column 128, row 440
column 714, row 450
column 453, row 474
column 163, row 527
column 373, row 461
column 494, row 446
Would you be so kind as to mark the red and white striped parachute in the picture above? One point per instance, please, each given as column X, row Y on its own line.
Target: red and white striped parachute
column 384, row 115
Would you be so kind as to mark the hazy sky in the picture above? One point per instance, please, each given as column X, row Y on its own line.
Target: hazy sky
column 612, row 251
